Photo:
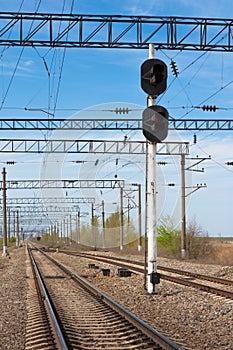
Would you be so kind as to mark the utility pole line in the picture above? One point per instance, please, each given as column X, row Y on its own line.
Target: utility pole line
column 9, row 224
column 17, row 228
column 14, row 212
column 103, row 223
column 128, row 212
column 139, row 205
column 76, row 228
column 121, row 219
column 79, row 227
column 67, row 230
column 184, row 195
column 70, row 227
column 64, row 228
column 22, row 234
column 61, row 229
column 93, row 227
column 4, row 214
column 139, row 218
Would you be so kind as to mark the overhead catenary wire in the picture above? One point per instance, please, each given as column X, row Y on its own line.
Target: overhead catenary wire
column 61, row 67
column 18, row 61
column 10, row 31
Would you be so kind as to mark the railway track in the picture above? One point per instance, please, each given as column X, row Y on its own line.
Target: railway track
column 39, row 334
column 190, row 279
column 82, row 317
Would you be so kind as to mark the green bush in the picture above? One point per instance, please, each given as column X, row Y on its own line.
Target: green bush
column 168, row 238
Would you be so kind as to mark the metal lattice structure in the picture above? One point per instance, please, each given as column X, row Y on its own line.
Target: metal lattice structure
column 32, row 184
column 29, row 221
column 110, row 124
column 115, row 31
column 90, row 146
column 36, row 210
column 201, row 124
column 48, row 200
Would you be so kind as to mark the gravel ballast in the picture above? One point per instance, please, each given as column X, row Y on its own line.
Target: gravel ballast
column 194, row 319
column 13, row 297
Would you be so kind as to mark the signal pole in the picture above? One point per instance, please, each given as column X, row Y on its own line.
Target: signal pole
column 155, row 129
column 151, row 203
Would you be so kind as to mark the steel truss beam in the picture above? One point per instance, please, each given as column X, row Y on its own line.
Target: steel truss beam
column 29, row 184
column 90, row 146
column 110, row 124
column 104, row 31
column 35, row 221
column 201, row 124
column 43, row 210
column 50, row 201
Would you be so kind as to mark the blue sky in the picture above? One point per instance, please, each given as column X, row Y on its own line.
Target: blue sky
column 105, row 77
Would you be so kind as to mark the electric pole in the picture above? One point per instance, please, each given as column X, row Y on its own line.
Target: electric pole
column 139, row 216
column 103, row 223
column 9, row 224
column 121, row 219
column 184, row 195
column 4, row 214
column 17, row 228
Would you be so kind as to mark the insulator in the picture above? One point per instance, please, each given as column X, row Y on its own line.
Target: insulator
column 209, row 108
column 174, row 68
column 121, row 110
column 194, row 138
column 10, row 162
column 229, row 163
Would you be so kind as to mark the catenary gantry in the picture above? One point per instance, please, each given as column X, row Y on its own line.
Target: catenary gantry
column 89, row 146
column 115, row 31
column 48, row 200
column 110, row 124
column 32, row 184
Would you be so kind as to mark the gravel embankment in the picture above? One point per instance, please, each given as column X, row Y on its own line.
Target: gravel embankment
column 198, row 320
column 13, row 292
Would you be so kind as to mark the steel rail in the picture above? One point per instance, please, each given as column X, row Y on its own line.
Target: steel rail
column 126, row 263
column 59, row 337
column 177, row 271
column 156, row 336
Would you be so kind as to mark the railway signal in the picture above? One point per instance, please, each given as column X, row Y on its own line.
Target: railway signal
column 153, row 77
column 155, row 123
